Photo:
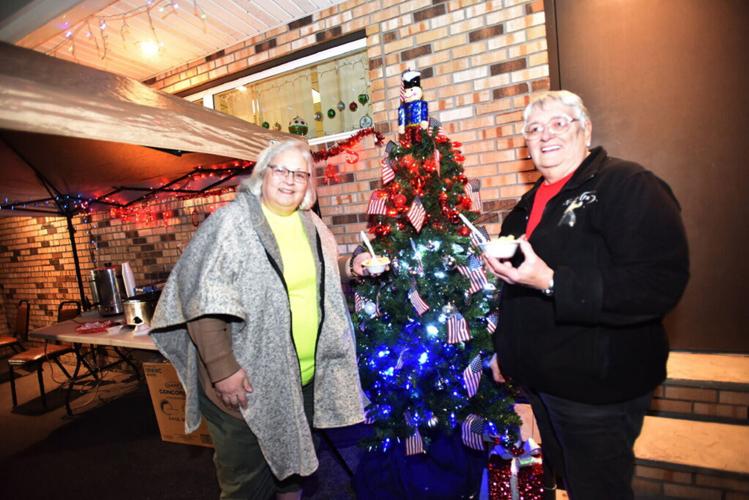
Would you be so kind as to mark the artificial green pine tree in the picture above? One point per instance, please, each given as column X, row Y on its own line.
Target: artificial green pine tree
column 422, row 323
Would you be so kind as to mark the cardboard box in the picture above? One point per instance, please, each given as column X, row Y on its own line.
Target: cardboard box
column 168, row 399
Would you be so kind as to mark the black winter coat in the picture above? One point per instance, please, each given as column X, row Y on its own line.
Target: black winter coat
column 615, row 240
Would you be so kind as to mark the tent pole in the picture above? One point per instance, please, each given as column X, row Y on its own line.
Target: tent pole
column 71, row 232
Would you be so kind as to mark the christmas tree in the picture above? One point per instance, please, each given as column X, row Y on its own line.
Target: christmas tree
column 424, row 327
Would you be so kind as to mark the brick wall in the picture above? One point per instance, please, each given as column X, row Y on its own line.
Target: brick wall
column 704, row 400
column 664, row 480
column 479, row 62
column 36, row 261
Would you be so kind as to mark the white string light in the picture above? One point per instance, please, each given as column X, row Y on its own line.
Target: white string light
column 167, row 7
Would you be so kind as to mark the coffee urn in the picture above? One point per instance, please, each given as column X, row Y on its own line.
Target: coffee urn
column 107, row 289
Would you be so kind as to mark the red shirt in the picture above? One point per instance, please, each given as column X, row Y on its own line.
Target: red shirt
column 544, row 193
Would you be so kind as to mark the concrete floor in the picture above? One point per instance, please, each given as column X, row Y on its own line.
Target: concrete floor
column 101, row 436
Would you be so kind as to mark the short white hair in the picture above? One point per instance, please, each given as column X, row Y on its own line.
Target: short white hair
column 569, row 99
column 254, row 183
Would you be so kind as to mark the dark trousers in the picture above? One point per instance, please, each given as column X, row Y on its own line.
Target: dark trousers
column 241, row 469
column 589, row 446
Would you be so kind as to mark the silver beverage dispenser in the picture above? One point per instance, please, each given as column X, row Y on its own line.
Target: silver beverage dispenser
column 107, row 289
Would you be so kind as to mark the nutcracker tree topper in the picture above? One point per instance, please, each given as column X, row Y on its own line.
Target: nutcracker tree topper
column 413, row 113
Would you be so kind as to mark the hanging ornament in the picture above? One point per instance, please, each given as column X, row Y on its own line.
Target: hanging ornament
column 464, row 231
column 363, row 99
column 449, row 262
column 430, row 165
column 277, row 126
column 442, row 197
column 331, row 174
column 370, row 308
column 341, row 106
column 331, row 113
column 351, row 157
column 408, row 161
column 353, row 106
column 449, row 309
column 465, row 203
column 365, row 121
column 318, row 116
column 266, row 125
column 382, row 230
column 399, row 200
column 298, row 126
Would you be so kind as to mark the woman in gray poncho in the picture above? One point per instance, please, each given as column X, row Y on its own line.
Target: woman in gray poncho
column 254, row 321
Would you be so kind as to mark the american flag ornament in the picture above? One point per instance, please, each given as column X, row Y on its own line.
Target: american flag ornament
column 418, row 303
column 358, row 302
column 472, row 191
column 369, row 415
column 472, row 376
column 475, row 274
column 437, row 158
column 416, row 214
column 414, row 443
column 435, row 123
column 477, row 240
column 388, row 174
column 399, row 363
column 491, row 322
column 472, row 431
column 377, row 203
column 457, row 329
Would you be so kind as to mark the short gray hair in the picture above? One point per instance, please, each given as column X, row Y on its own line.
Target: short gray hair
column 254, row 183
column 572, row 100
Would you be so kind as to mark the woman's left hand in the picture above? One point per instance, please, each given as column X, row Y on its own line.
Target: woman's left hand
column 533, row 272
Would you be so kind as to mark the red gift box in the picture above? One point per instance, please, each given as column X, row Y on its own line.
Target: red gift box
column 516, row 474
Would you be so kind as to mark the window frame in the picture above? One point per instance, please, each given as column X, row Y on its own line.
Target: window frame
column 338, row 51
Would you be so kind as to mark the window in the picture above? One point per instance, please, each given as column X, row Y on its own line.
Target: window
column 326, row 94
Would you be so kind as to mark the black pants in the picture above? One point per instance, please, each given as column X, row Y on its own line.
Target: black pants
column 589, row 446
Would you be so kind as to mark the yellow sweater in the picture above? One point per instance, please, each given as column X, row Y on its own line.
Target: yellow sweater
column 301, row 282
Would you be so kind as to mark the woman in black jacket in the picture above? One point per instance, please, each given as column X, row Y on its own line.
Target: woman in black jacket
column 603, row 258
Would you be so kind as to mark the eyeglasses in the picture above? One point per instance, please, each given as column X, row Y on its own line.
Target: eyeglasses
column 555, row 126
column 300, row 176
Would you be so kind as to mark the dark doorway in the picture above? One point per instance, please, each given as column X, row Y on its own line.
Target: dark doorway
column 667, row 86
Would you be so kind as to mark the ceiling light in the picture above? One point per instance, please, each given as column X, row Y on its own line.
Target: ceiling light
column 149, row 48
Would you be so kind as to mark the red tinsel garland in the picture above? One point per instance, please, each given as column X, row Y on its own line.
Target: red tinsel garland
column 345, row 144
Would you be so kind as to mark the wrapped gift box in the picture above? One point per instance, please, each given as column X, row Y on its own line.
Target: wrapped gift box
column 516, row 473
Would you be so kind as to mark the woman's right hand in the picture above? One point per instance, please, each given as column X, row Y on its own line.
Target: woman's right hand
column 233, row 390
column 358, row 267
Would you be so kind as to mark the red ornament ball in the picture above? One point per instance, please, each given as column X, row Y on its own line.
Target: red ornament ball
column 464, row 231
column 399, row 200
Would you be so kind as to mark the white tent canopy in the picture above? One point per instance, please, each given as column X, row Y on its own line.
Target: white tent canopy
column 67, row 129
